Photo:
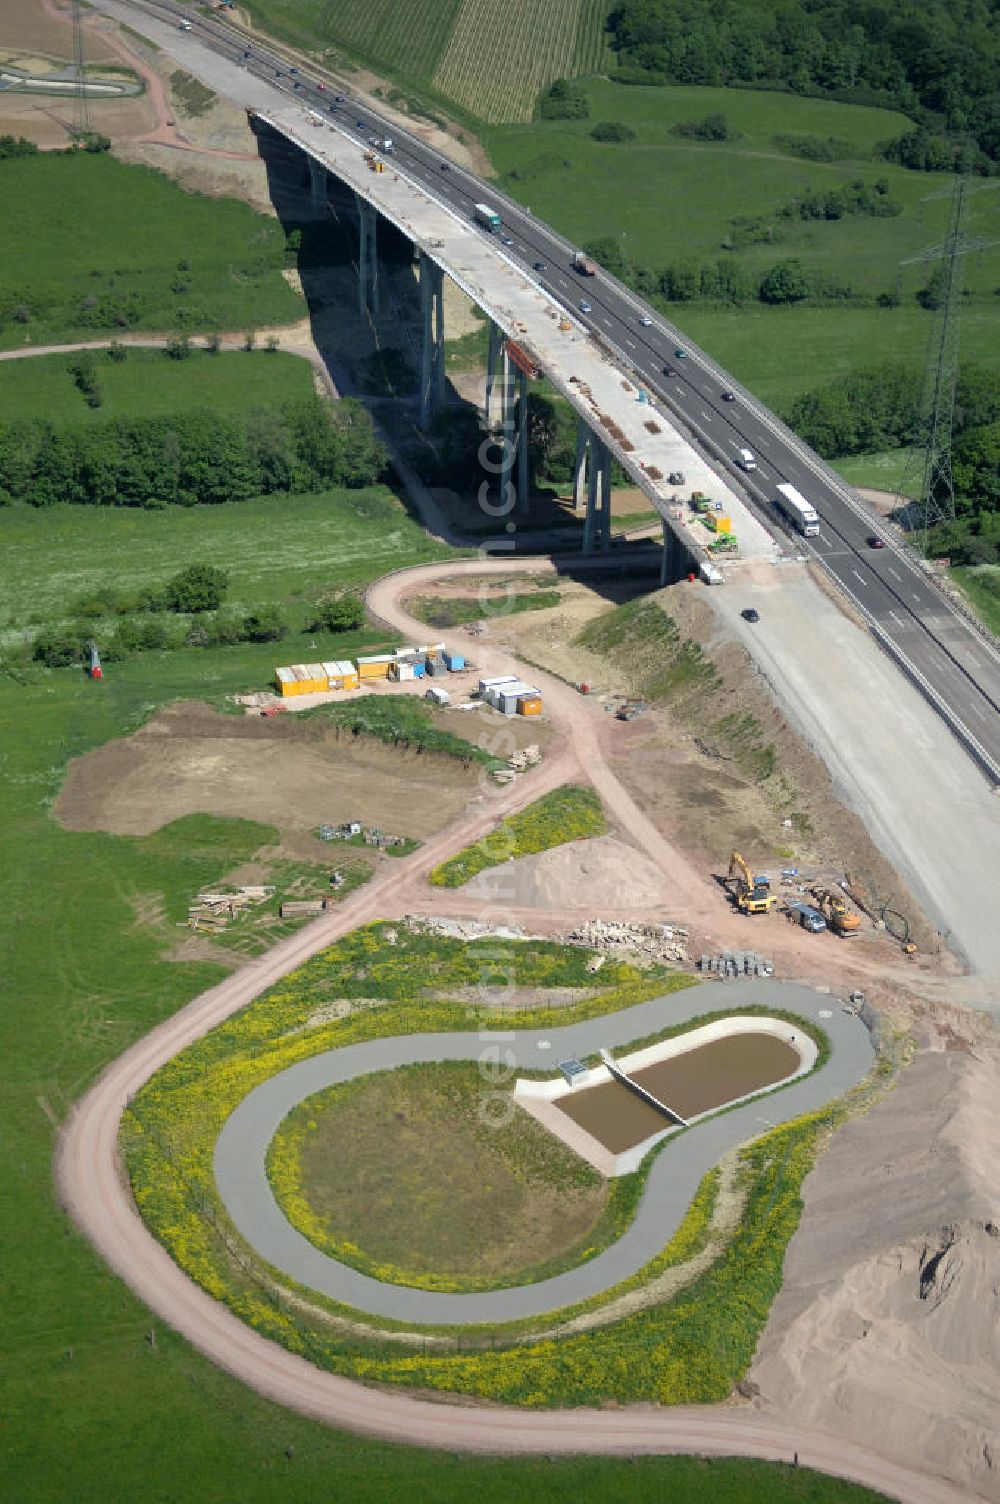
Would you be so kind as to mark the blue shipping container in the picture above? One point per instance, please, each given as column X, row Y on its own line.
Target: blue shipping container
column 419, row 669
column 455, row 661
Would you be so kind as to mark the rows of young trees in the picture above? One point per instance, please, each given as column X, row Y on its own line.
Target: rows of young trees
column 191, row 459
column 938, row 62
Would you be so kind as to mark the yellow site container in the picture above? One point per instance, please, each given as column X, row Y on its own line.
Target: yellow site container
column 285, row 681
column 340, row 674
column 529, row 705
column 723, row 524
column 376, row 667
column 314, row 676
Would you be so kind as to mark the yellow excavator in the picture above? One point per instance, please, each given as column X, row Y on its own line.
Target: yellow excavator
column 753, row 894
column 833, row 907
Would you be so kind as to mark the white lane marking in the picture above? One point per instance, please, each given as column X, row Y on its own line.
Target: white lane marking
column 976, row 711
column 630, row 344
column 894, row 574
column 763, row 474
column 858, row 576
column 898, row 620
column 706, row 416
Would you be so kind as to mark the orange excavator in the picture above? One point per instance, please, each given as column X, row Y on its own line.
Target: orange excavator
column 833, row 907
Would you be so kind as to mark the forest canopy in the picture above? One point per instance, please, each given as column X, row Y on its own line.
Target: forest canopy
column 936, row 60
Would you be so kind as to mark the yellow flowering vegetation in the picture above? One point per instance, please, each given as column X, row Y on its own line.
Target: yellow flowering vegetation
column 570, row 813
column 692, row 1348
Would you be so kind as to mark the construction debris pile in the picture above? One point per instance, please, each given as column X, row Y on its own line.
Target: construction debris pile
column 351, row 830
column 728, row 964
column 466, row 929
column 213, row 911
column 518, row 762
column 629, row 940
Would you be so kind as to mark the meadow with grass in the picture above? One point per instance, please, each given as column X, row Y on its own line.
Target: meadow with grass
column 141, row 254
column 142, row 383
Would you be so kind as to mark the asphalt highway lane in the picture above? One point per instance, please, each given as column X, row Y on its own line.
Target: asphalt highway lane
column 960, row 666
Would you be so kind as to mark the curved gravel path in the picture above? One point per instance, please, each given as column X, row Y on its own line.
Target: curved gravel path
column 95, row 1193
column 241, row 1149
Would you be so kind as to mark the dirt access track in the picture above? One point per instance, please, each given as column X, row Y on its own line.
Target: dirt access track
column 96, row 1195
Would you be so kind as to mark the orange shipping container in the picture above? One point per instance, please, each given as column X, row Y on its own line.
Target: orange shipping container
column 529, row 705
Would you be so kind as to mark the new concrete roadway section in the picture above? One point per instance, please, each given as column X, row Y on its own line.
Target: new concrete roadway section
column 957, row 668
column 241, row 1151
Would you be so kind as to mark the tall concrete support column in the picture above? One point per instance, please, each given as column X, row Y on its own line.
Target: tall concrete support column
column 432, row 352
column 597, row 525
column 317, row 185
column 492, row 364
column 580, row 468
column 523, row 499
column 670, row 557
column 367, row 259
column 508, row 431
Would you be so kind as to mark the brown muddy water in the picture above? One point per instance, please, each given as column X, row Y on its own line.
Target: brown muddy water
column 698, row 1081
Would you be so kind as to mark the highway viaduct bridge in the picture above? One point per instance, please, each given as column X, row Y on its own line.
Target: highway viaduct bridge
column 603, row 359
column 529, row 336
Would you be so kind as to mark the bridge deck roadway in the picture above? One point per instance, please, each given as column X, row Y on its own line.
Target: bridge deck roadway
column 583, row 370
column 241, row 1174
column 592, row 379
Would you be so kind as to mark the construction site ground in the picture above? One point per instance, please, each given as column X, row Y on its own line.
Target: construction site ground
column 293, row 774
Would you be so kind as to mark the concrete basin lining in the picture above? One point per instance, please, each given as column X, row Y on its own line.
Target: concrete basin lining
column 542, row 1099
column 674, row 1176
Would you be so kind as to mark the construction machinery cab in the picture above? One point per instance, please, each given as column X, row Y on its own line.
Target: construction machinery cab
column 753, row 894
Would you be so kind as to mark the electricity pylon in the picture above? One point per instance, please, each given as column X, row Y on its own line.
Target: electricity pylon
column 927, row 476
column 81, row 100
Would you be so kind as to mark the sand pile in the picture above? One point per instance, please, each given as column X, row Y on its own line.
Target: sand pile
column 887, row 1329
column 603, row 874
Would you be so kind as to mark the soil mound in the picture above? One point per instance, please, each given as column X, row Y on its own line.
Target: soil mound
column 887, row 1328
column 604, row 874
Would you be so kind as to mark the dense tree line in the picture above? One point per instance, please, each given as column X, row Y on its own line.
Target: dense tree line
column 937, row 61
column 191, row 459
column 722, row 279
column 876, row 408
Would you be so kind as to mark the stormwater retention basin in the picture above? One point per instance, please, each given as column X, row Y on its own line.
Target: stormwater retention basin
column 692, row 1074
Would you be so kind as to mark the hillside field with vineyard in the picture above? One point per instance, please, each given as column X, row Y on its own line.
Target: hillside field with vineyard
column 488, row 60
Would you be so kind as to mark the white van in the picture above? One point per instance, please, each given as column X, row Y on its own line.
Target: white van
column 745, row 459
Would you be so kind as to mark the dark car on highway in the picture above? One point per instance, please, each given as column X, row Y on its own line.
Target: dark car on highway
column 539, row 266
column 875, row 542
column 669, row 371
column 750, row 614
column 729, row 396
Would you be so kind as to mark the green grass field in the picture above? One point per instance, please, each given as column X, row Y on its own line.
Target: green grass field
column 879, row 472
column 981, row 583
column 665, row 200
column 275, row 549
column 113, row 257
column 149, row 384
column 459, row 1203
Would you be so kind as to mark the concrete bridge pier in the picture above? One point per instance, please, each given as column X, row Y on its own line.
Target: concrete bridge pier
column 432, row 350
column 317, row 185
column 671, row 558
column 367, row 259
column 493, row 350
column 580, row 467
column 597, row 525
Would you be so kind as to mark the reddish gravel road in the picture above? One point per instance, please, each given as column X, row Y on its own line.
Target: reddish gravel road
column 93, row 1189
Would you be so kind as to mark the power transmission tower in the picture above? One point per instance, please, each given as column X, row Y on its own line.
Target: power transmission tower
column 81, row 100
column 927, row 476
